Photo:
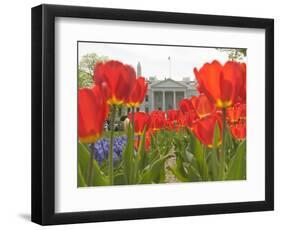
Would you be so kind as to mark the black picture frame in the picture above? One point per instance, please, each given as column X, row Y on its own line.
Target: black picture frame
column 43, row 114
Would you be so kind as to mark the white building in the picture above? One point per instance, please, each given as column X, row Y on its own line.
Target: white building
column 163, row 94
column 166, row 94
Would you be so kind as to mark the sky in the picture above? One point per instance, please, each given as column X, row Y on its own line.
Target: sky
column 154, row 59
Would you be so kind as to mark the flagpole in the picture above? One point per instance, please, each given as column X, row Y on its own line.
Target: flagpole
column 170, row 67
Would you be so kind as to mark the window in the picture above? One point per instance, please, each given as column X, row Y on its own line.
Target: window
column 146, row 109
column 158, row 100
column 179, row 97
column 146, row 97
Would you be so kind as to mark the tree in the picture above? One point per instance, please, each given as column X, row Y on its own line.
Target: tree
column 235, row 54
column 86, row 68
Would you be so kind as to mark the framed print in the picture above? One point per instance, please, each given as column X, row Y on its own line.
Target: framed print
column 143, row 114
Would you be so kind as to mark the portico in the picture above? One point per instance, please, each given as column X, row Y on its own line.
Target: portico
column 166, row 94
column 166, row 99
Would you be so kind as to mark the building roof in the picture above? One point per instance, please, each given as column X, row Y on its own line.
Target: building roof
column 172, row 83
column 168, row 82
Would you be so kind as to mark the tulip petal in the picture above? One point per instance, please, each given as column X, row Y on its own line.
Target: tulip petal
column 92, row 112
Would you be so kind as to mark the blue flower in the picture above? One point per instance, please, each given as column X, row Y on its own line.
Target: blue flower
column 101, row 149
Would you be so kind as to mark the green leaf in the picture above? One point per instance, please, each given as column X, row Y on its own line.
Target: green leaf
column 237, row 165
column 214, row 162
column 152, row 172
column 98, row 176
column 141, row 155
column 119, row 179
column 127, row 157
column 192, row 172
column 229, row 139
column 156, row 172
column 196, row 149
column 199, row 152
column 84, row 157
column 180, row 167
column 178, row 174
column 81, row 180
column 205, row 169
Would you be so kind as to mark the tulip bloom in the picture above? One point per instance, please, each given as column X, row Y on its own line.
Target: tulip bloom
column 202, row 105
column 147, row 141
column 116, row 79
column 191, row 117
column 171, row 125
column 243, row 111
column 221, row 84
column 243, row 91
column 188, row 114
column 157, row 120
column 138, row 93
column 236, row 113
column 92, row 112
column 238, row 130
column 187, row 119
column 205, row 127
column 141, row 120
column 182, row 119
column 172, row 115
column 196, row 108
column 185, row 105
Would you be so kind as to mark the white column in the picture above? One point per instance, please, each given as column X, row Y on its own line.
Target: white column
column 175, row 105
column 152, row 100
column 163, row 100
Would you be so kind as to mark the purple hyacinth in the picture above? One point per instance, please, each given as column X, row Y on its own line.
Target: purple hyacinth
column 101, row 149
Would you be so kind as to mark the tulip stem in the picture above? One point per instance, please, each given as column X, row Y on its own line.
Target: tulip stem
column 110, row 159
column 133, row 124
column 223, row 152
column 90, row 168
column 139, row 140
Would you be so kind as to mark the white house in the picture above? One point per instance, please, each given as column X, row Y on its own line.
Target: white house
column 166, row 94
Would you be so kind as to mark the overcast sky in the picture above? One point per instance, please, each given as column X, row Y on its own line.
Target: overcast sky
column 154, row 59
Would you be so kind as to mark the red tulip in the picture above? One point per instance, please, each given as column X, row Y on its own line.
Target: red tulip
column 191, row 117
column 171, row 125
column 202, row 105
column 157, row 120
column 243, row 91
column 138, row 92
column 205, row 127
column 187, row 119
column 185, row 105
column 159, row 113
column 236, row 112
column 116, row 79
column 221, row 84
column 182, row 119
column 243, row 111
column 195, row 108
column 147, row 141
column 238, row 130
column 141, row 120
column 188, row 114
column 172, row 114
column 92, row 112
